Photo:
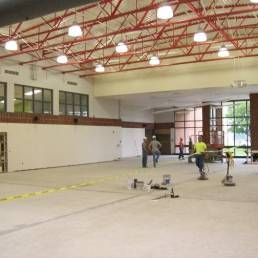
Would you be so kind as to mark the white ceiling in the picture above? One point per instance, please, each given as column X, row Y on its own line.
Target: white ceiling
column 186, row 98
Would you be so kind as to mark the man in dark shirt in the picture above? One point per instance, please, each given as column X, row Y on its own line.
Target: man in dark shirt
column 144, row 152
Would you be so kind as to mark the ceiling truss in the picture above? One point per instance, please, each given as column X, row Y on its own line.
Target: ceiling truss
column 107, row 22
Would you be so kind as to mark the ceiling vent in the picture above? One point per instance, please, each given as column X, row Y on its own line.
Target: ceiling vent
column 11, row 72
column 72, row 83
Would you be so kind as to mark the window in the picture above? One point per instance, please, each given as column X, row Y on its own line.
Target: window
column 188, row 123
column 2, row 97
column 232, row 118
column 73, row 104
column 32, row 100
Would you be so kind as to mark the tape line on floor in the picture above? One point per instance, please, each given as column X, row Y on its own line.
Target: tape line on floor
column 65, row 188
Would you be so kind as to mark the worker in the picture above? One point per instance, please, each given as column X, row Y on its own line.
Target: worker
column 199, row 149
column 190, row 144
column 144, row 152
column 155, row 147
column 181, row 149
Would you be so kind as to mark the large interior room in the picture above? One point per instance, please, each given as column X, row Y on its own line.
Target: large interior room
column 128, row 128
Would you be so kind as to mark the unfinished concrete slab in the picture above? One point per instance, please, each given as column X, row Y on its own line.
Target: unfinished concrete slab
column 105, row 219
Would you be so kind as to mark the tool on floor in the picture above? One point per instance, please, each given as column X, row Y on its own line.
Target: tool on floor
column 228, row 180
column 166, row 185
column 134, row 184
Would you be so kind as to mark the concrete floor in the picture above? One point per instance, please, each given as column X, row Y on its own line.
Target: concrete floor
column 108, row 220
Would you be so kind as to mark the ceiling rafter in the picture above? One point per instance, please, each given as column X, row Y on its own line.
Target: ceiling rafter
column 107, row 22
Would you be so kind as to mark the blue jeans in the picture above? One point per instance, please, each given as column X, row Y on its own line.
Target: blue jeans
column 199, row 160
column 181, row 153
column 155, row 155
column 144, row 159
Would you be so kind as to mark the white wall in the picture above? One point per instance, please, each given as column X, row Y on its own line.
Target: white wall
column 39, row 146
column 135, row 114
column 181, row 77
column 131, row 140
column 33, row 146
column 105, row 108
column 167, row 117
column 43, row 79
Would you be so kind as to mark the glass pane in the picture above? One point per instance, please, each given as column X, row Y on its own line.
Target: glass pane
column 179, row 124
column 189, row 115
column 227, row 109
column 38, row 94
column 47, row 108
column 2, row 88
column 28, row 92
column 62, row 97
column 189, row 124
column 77, row 110
column 28, row 107
column 189, row 133
column 179, row 133
column 2, row 105
column 240, row 109
column 47, row 95
column 241, row 152
column 228, row 121
column 69, row 98
column 69, row 109
column 37, row 107
column 198, row 113
column 84, row 100
column 198, row 123
column 62, row 109
column 76, row 99
column 248, row 108
column 84, row 111
column 180, row 116
column 241, row 121
column 18, row 107
column 18, row 92
column 228, row 135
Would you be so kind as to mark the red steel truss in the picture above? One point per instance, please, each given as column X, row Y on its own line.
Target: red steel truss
column 107, row 22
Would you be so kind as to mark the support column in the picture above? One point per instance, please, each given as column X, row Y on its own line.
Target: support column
column 206, row 124
column 254, row 121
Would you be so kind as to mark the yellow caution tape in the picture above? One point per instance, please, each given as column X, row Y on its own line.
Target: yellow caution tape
column 64, row 188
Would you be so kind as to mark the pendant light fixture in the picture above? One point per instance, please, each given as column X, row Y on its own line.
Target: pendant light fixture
column 11, row 45
column 200, row 36
column 223, row 51
column 62, row 59
column 75, row 31
column 154, row 60
column 99, row 68
column 165, row 12
column 121, row 47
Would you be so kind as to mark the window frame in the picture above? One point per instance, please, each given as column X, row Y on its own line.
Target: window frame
column 5, row 96
column 234, row 118
column 33, row 99
column 185, row 127
column 65, row 103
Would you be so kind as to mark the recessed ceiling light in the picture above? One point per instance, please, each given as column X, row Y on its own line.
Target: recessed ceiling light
column 62, row 59
column 121, row 47
column 75, row 31
column 165, row 12
column 200, row 36
column 11, row 45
